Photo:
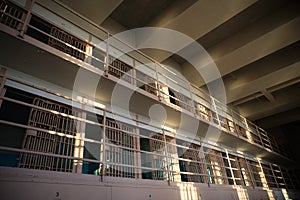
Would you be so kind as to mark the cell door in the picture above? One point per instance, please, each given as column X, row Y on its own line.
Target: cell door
column 120, row 149
column 157, row 146
column 52, row 136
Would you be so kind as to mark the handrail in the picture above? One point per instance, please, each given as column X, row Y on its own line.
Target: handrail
column 91, row 122
column 210, row 151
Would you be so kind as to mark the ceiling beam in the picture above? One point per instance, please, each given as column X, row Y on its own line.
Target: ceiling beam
column 255, row 88
column 196, row 21
column 262, row 46
column 285, row 100
column 95, row 10
column 268, row 95
column 279, row 119
column 259, row 28
column 252, row 51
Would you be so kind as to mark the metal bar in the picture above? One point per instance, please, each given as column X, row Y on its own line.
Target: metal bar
column 27, row 18
column 106, row 59
column 2, row 83
column 104, row 145
column 216, row 111
column 273, row 175
column 284, row 182
column 230, row 167
column 259, row 135
column 157, row 83
column 167, row 157
column 11, row 149
column 42, row 108
column 250, row 172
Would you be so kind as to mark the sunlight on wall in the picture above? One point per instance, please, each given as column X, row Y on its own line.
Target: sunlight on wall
column 242, row 193
column 90, row 102
column 249, row 136
column 173, row 161
column 263, row 180
column 78, row 152
column 262, row 175
column 188, row 192
column 217, row 172
column 270, row 194
column 285, row 194
column 172, row 130
column 164, row 93
column 246, row 176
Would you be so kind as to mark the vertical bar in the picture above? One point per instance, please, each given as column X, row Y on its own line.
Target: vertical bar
column 2, row 83
column 205, row 164
column 234, row 122
column 216, row 110
column 157, row 81
column 88, row 50
column 166, row 156
column 133, row 73
column 79, row 142
column 268, row 139
column 48, row 143
column 192, row 103
column 72, row 132
column 230, row 167
column 262, row 176
column 282, row 177
column 274, row 175
column 29, row 5
column 2, row 94
column 37, row 148
column 63, row 138
column 250, row 172
column 106, row 59
column 104, row 146
column 58, row 138
column 43, row 145
column 138, row 161
column 258, row 133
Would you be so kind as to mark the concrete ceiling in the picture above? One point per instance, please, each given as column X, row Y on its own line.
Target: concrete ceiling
column 255, row 45
column 95, row 10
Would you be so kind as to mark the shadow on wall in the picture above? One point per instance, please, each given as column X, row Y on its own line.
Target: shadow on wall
column 191, row 191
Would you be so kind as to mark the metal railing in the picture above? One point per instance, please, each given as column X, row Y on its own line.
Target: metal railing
column 79, row 141
column 110, row 56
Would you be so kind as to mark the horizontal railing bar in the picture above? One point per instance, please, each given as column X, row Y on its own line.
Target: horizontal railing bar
column 11, row 149
column 49, row 131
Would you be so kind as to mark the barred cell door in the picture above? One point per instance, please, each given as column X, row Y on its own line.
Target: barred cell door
column 120, row 149
column 157, row 146
column 120, row 69
column 216, row 166
column 151, row 85
column 52, row 133
column 196, row 166
column 67, row 43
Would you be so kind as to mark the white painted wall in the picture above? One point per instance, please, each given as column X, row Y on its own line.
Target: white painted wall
column 27, row 184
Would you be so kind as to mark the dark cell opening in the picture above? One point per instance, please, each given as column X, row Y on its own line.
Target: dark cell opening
column 172, row 95
column 12, row 136
column 41, row 25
